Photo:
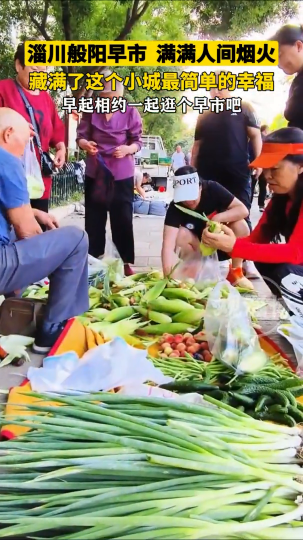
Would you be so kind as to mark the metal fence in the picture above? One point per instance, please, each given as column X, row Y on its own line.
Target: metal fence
column 65, row 188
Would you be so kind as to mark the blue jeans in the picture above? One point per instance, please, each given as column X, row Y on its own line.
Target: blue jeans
column 60, row 254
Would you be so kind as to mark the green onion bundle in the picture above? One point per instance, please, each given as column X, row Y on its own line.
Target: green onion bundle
column 144, row 468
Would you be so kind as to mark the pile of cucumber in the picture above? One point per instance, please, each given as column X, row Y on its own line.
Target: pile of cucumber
column 265, row 396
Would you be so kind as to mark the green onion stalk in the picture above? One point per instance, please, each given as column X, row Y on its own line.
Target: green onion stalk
column 104, row 466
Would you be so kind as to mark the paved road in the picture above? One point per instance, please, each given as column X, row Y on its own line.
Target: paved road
column 148, row 235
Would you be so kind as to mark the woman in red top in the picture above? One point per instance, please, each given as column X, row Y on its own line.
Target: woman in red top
column 281, row 264
column 51, row 128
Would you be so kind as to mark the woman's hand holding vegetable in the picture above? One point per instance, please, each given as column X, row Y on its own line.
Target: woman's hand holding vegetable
column 225, row 242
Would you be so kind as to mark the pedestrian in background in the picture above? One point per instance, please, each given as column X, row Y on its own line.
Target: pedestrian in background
column 178, row 158
column 261, row 179
column 110, row 140
column 290, row 39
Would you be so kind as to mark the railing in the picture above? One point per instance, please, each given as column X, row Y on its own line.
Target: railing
column 65, row 188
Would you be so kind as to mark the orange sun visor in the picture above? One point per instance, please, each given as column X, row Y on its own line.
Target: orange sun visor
column 272, row 153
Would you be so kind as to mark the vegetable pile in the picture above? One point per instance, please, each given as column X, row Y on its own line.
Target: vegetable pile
column 269, row 394
column 138, row 468
column 186, row 346
column 145, row 302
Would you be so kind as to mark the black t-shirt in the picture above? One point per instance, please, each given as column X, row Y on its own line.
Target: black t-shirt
column 214, row 199
column 294, row 106
column 223, row 154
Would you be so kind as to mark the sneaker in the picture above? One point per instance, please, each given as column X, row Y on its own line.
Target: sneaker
column 261, row 208
column 250, row 271
column 128, row 271
column 237, row 279
column 45, row 340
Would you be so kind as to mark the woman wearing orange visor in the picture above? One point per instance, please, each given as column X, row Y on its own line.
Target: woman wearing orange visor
column 280, row 264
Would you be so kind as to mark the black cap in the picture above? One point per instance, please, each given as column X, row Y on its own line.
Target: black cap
column 289, row 34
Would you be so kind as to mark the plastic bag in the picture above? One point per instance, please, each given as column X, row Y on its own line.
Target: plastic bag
column 293, row 332
column 103, row 368
column 106, row 270
column 145, row 390
column 35, row 184
column 229, row 331
column 204, row 271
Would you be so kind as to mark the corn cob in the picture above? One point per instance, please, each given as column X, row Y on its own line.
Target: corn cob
column 154, row 292
column 190, row 316
column 118, row 314
column 93, row 302
column 97, row 313
column 182, row 294
column 169, row 328
column 90, row 339
column 98, row 338
column 169, row 306
column 153, row 315
column 120, row 301
column 213, row 227
column 153, row 274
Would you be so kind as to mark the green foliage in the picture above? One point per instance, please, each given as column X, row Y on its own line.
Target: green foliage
column 163, row 19
column 278, row 122
column 236, row 18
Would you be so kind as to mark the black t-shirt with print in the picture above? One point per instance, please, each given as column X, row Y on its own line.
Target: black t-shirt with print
column 223, row 152
column 214, row 199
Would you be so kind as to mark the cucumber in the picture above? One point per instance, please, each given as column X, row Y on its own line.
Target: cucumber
column 262, row 402
column 251, row 412
column 259, row 380
column 295, row 414
column 292, row 400
column 277, row 395
column 278, row 409
column 246, row 400
column 216, row 394
column 287, row 384
column 299, row 406
column 297, row 392
column 278, row 418
column 185, row 387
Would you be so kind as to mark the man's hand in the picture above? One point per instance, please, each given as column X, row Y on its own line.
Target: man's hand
column 59, row 158
column 121, row 151
column 47, row 220
column 90, row 147
column 225, row 242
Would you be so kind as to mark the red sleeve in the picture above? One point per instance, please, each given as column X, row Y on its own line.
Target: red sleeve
column 58, row 134
column 255, row 247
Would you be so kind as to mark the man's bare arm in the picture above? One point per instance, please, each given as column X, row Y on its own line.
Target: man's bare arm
column 23, row 221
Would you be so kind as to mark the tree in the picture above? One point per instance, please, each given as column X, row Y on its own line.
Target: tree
column 137, row 20
column 231, row 19
column 278, row 122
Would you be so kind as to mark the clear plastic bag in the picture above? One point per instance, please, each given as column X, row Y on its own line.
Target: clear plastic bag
column 204, row 271
column 35, row 184
column 229, row 331
column 108, row 269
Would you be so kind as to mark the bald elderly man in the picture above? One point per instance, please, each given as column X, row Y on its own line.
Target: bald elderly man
column 60, row 254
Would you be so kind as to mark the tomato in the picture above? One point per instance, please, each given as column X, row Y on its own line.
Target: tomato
column 207, row 356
